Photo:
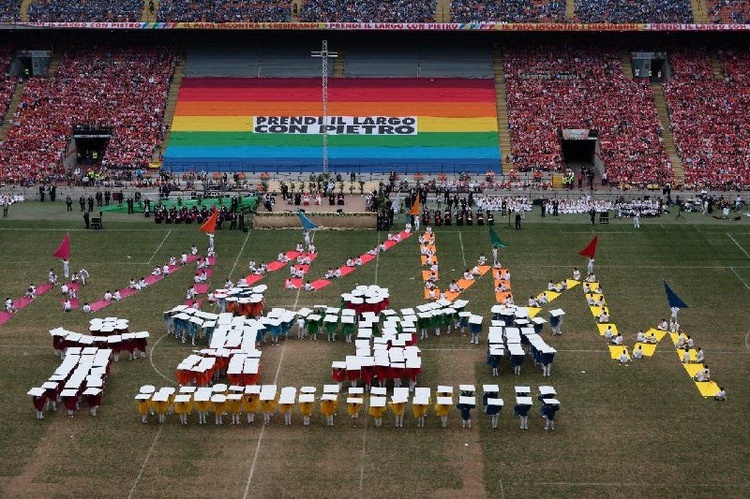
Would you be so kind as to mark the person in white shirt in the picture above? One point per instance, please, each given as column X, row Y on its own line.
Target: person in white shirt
column 193, row 249
column 132, row 284
column 640, row 337
column 576, row 274
column 638, row 353
column 165, row 269
column 308, row 286
column 482, row 260
column 116, row 295
column 288, row 284
column 229, row 284
column 686, row 357
column 67, row 307
column 31, row 292
column 543, row 298
column 663, row 326
column 721, row 395
column 330, row 274
column 337, row 273
column 624, row 357
column 83, row 274
column 609, row 334
column 252, row 267
column 52, row 277
column 143, row 282
column 690, row 342
column 453, row 287
column 674, row 311
column 172, row 261
column 9, row 305
column 86, row 308
column 350, row 262
column 156, row 271
column 108, row 296
column 282, row 257
column 72, row 294
column 700, row 357
column 651, row 339
column 590, row 266
column 532, row 301
column 190, row 294
column 468, row 275
column 617, row 340
column 603, row 317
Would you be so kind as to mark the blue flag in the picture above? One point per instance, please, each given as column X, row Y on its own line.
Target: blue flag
column 672, row 298
column 307, row 224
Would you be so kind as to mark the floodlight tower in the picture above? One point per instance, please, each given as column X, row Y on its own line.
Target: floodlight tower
column 324, row 55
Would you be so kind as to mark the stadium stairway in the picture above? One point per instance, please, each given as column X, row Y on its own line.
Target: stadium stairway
column 443, row 11
column 295, row 11
column 700, row 12
column 339, row 65
column 12, row 108
column 661, row 107
column 146, row 15
column 25, row 10
column 498, row 62
column 627, row 66
column 716, row 67
column 570, row 10
column 169, row 109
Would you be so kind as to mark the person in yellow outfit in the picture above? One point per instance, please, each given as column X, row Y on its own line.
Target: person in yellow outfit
column 234, row 406
column 306, row 403
column 251, row 402
column 419, row 410
column 442, row 408
column 202, row 403
column 353, row 406
column 160, row 403
column 268, row 407
column 219, row 403
column 328, row 405
column 377, row 408
column 143, row 404
column 398, row 407
column 183, row 405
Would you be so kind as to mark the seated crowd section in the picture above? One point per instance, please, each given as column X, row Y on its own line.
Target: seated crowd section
column 121, row 89
column 634, row 11
column 511, row 11
column 88, row 10
column 10, row 11
column 224, row 11
column 728, row 11
column 554, row 88
column 386, row 11
column 7, row 83
column 709, row 117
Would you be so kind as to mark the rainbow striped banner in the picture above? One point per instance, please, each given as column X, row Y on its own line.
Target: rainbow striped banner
column 428, row 125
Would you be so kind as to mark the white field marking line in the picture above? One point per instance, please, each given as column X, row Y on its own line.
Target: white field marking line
column 263, row 428
column 151, row 359
column 740, row 278
column 747, row 345
column 738, row 244
column 145, row 461
column 463, row 255
column 717, row 352
column 73, row 230
column 239, row 254
column 649, row 484
column 162, row 244
column 502, row 490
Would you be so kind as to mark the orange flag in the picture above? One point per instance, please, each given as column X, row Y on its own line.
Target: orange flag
column 209, row 226
column 415, row 208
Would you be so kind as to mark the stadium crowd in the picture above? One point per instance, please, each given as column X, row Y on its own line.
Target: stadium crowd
column 385, row 11
column 709, row 117
column 90, row 10
column 224, row 11
column 124, row 90
column 7, row 83
column 728, row 11
column 555, row 88
column 511, row 11
column 10, row 11
column 628, row 11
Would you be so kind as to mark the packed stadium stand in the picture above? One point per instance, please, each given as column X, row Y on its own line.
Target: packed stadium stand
column 7, row 83
column 10, row 10
column 123, row 90
column 634, row 11
column 555, row 88
column 728, row 11
column 709, row 116
column 510, row 11
column 89, row 10
column 407, row 11
column 224, row 11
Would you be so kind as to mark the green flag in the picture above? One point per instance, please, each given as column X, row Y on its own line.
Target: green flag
column 495, row 240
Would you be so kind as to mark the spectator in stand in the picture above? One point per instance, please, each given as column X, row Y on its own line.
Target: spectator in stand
column 510, row 11
column 554, row 88
column 628, row 11
column 7, row 83
column 728, row 11
column 122, row 89
column 384, row 11
column 10, row 11
column 709, row 117
column 225, row 11
column 90, row 10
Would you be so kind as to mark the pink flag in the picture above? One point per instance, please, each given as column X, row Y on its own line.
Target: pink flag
column 63, row 252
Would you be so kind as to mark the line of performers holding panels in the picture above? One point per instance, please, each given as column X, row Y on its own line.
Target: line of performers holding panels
column 243, row 403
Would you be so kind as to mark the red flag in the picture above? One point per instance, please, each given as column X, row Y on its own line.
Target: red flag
column 63, row 252
column 209, row 226
column 590, row 250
